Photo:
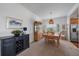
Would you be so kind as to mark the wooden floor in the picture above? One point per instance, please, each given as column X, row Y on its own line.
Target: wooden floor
column 41, row 48
column 76, row 44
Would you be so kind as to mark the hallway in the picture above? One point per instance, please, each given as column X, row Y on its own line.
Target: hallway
column 41, row 48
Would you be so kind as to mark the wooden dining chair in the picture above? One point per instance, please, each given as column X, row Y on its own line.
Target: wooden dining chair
column 49, row 37
column 59, row 38
column 63, row 34
column 52, row 39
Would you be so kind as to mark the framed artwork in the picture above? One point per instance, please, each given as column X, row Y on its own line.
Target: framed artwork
column 14, row 23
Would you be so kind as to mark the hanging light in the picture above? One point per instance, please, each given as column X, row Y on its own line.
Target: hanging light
column 51, row 21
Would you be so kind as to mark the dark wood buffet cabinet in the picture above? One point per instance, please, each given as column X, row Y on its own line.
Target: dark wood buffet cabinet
column 11, row 46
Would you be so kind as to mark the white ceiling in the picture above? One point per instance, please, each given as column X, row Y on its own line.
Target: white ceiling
column 43, row 9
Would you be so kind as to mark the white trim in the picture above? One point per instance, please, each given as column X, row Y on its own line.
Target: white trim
column 68, row 28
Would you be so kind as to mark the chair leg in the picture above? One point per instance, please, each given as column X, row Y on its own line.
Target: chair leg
column 46, row 40
column 58, row 43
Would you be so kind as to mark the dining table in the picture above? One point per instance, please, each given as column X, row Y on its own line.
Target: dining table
column 55, row 36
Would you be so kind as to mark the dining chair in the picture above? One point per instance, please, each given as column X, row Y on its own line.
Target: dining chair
column 49, row 37
column 62, row 35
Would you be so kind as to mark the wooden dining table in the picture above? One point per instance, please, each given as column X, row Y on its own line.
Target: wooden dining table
column 55, row 36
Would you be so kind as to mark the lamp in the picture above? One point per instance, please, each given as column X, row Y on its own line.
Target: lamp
column 24, row 28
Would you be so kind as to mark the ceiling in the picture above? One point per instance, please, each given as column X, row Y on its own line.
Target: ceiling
column 43, row 9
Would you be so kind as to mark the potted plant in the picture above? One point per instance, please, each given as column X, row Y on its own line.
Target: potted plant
column 16, row 32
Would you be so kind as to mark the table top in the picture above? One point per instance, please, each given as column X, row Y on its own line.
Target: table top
column 55, row 34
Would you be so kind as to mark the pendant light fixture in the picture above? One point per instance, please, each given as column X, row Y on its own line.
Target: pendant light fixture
column 51, row 21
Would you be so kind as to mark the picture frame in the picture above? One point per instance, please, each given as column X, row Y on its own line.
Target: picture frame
column 14, row 23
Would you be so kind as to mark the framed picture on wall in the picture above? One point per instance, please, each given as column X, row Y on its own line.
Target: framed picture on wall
column 14, row 22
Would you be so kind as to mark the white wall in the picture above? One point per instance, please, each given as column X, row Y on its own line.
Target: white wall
column 61, row 20
column 58, row 20
column 16, row 11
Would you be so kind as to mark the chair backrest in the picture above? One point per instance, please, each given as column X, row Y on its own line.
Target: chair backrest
column 50, row 33
column 63, row 32
column 60, row 35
